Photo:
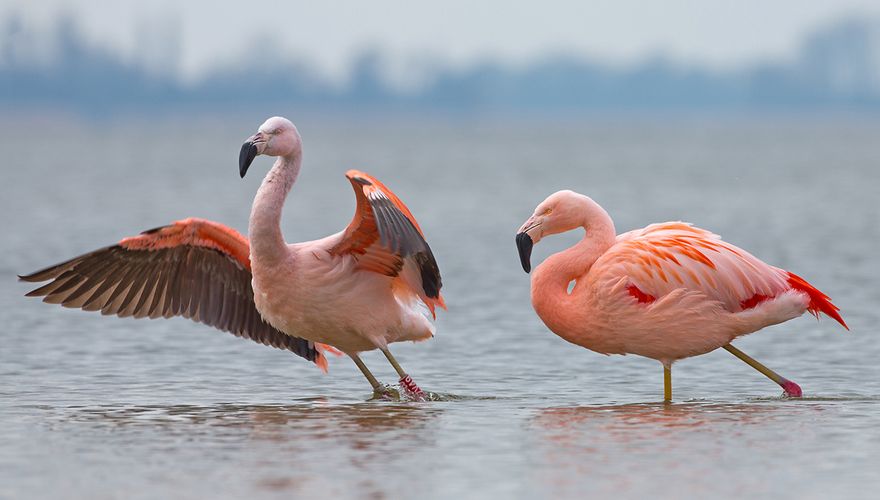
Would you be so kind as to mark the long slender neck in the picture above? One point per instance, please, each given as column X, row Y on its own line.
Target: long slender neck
column 550, row 280
column 264, row 229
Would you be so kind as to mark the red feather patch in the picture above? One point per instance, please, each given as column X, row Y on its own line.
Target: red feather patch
column 753, row 301
column 640, row 296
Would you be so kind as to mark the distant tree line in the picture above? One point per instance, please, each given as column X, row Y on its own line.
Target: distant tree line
column 837, row 68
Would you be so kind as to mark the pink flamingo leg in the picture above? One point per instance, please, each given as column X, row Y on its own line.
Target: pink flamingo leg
column 405, row 380
column 791, row 389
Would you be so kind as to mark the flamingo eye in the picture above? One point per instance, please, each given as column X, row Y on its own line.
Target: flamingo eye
column 548, row 211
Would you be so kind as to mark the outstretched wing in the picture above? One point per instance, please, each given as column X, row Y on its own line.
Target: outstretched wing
column 673, row 255
column 193, row 268
column 385, row 238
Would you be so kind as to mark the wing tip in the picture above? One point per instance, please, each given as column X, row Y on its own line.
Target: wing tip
column 48, row 273
column 362, row 178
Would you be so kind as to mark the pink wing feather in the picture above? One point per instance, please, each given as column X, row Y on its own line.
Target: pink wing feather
column 673, row 255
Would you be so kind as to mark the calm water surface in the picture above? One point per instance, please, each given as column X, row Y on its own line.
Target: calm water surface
column 96, row 407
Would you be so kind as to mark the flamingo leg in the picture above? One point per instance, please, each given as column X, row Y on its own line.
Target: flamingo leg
column 667, row 383
column 791, row 389
column 405, row 380
column 379, row 390
column 366, row 371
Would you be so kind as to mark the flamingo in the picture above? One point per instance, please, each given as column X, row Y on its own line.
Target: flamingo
column 354, row 291
column 668, row 291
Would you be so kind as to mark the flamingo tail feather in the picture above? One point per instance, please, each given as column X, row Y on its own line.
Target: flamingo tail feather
column 819, row 302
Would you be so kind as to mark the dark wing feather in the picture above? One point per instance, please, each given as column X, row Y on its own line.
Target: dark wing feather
column 385, row 238
column 192, row 268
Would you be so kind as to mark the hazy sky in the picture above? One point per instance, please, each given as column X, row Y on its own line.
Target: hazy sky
column 721, row 33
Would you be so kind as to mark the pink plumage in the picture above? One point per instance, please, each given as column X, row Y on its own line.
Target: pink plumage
column 667, row 291
column 356, row 290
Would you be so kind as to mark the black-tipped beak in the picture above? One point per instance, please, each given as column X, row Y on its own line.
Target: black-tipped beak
column 524, row 245
column 246, row 157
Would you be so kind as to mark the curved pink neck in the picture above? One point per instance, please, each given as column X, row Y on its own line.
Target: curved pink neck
column 550, row 281
column 264, row 230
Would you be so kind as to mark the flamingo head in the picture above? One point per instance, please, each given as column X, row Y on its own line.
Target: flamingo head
column 277, row 136
column 562, row 211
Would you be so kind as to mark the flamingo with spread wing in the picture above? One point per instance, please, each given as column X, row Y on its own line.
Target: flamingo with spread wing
column 666, row 292
column 357, row 290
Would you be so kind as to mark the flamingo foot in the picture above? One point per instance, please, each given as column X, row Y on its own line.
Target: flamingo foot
column 385, row 393
column 412, row 388
column 791, row 389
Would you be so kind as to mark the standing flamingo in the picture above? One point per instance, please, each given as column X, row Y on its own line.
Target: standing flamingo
column 356, row 290
column 666, row 292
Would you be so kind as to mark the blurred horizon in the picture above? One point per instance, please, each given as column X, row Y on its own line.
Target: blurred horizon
column 836, row 67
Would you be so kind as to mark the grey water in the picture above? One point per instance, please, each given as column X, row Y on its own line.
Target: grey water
column 100, row 407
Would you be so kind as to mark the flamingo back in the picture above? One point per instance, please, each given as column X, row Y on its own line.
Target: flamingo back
column 668, row 256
